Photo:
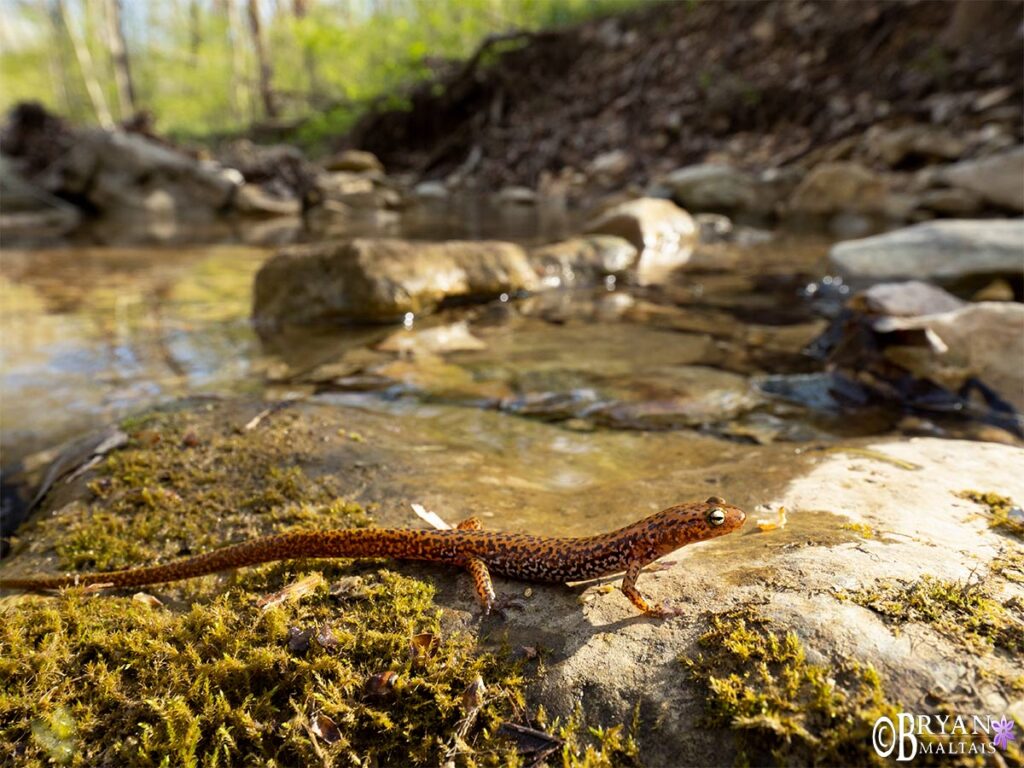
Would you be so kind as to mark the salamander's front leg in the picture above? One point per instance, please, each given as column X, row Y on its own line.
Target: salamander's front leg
column 629, row 590
column 478, row 569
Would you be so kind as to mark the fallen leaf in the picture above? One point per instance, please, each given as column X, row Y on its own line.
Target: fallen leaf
column 381, row 685
column 147, row 599
column 298, row 639
column 473, row 695
column 293, row 591
column 349, row 588
column 430, row 518
column 326, row 728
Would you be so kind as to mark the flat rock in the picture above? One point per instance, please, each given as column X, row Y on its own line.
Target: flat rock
column 936, row 250
column 370, row 280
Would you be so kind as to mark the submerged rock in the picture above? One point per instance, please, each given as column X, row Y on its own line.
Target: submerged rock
column 936, row 250
column 369, row 280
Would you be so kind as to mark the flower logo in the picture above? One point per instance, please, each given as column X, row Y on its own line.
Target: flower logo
column 1003, row 732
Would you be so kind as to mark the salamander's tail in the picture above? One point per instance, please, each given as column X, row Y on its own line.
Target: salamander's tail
column 285, row 546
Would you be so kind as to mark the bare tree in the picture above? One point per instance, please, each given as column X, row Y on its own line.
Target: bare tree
column 263, row 61
column 195, row 32
column 88, row 69
column 301, row 9
column 119, row 59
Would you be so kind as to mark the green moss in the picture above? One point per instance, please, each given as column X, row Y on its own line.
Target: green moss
column 782, row 708
column 964, row 611
column 113, row 681
column 187, row 483
column 1000, row 509
column 596, row 747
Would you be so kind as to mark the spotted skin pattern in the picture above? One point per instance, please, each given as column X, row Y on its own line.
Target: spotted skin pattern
column 519, row 555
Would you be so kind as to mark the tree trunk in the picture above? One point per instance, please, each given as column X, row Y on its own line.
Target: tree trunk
column 85, row 64
column 56, row 59
column 301, row 9
column 119, row 60
column 195, row 33
column 262, row 60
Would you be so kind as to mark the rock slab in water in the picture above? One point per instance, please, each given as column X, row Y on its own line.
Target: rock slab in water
column 937, row 250
column 369, row 280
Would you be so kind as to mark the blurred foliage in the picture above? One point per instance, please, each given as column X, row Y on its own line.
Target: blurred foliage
column 194, row 64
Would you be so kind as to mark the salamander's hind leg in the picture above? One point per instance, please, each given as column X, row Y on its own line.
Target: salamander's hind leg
column 629, row 590
column 481, row 582
column 469, row 524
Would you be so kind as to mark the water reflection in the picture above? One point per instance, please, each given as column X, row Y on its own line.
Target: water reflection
column 91, row 333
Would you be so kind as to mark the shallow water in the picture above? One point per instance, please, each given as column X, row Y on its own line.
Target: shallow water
column 581, row 409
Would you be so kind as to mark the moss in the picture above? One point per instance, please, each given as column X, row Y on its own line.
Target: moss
column 964, row 611
column 186, row 483
column 782, row 708
column 596, row 747
column 225, row 682
column 1000, row 509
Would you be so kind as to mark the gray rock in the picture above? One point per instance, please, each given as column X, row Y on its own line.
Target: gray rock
column 936, row 250
column 999, row 178
column 712, row 187
column 905, row 299
column 839, row 187
column 431, row 190
column 380, row 280
column 951, row 201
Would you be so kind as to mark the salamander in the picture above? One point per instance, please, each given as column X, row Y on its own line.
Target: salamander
column 518, row 555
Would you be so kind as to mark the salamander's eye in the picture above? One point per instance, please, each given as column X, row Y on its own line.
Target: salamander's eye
column 716, row 516
column 714, row 500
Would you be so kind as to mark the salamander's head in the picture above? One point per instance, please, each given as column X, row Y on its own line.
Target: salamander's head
column 696, row 521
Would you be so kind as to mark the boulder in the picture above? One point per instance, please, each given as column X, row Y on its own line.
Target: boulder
column 839, row 187
column 981, row 342
column 369, row 280
column 712, row 187
column 936, row 250
column 431, row 190
column 998, row 178
column 354, row 161
column 661, row 231
column 583, row 259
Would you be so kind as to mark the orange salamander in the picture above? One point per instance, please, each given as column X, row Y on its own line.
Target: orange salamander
column 519, row 555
